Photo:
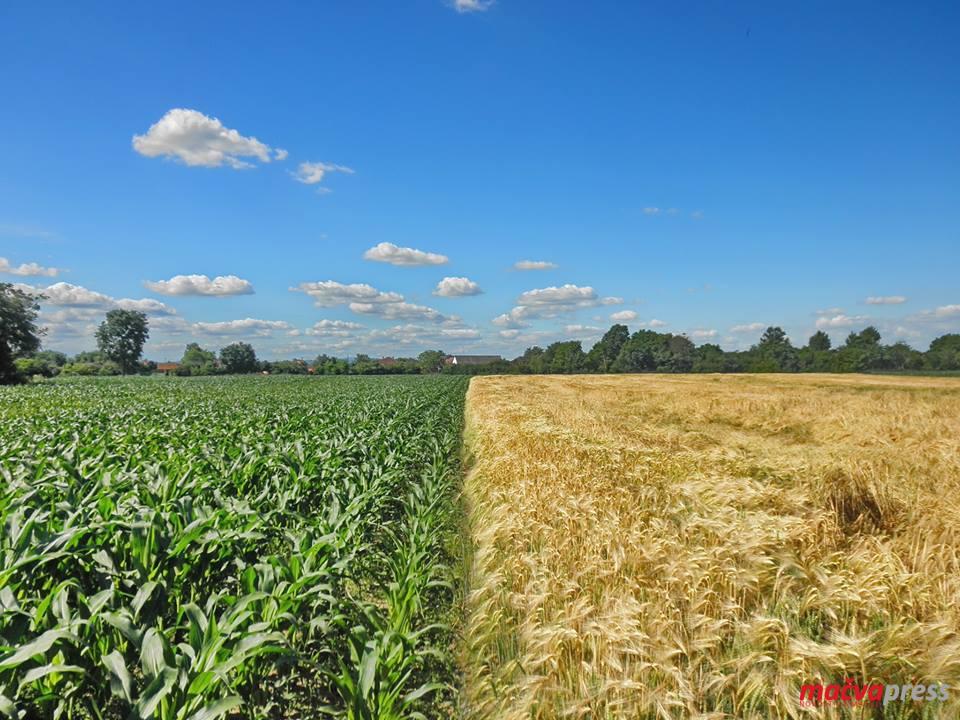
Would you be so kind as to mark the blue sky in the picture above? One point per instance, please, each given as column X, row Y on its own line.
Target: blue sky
column 704, row 168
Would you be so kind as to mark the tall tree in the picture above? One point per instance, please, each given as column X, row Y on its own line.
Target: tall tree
column 121, row 337
column 564, row 357
column 197, row 361
column 774, row 353
column 819, row 341
column 944, row 352
column 602, row 355
column 239, row 357
column 431, row 361
column 19, row 334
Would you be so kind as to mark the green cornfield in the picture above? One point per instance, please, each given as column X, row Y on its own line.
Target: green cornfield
column 230, row 547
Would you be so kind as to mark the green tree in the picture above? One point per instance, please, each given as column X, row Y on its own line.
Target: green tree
column 564, row 357
column 121, row 337
column 19, row 334
column 819, row 341
column 861, row 351
column 531, row 362
column 239, row 357
column 944, row 353
column 431, row 361
column 709, row 358
column 774, row 353
column 604, row 354
column 641, row 352
column 197, row 361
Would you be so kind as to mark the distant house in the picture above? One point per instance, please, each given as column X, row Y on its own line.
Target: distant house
column 387, row 362
column 471, row 359
column 167, row 368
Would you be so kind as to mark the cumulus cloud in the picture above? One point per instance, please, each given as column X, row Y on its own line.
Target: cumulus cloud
column 334, row 328
column 886, row 300
column 246, row 326
column 280, row 154
column 564, row 295
column 582, row 330
column 840, row 321
column 403, row 256
column 457, row 287
column 400, row 311
column 469, row 6
column 201, row 285
column 413, row 334
column 68, row 295
column 27, row 269
column 947, row 311
column 145, row 305
column 313, row 173
column 703, row 333
column 551, row 302
column 513, row 320
column 748, row 327
column 655, row 323
column 198, row 140
column 328, row 293
column 64, row 294
column 624, row 315
column 534, row 265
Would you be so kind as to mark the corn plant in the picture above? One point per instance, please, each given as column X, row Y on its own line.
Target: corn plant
column 189, row 549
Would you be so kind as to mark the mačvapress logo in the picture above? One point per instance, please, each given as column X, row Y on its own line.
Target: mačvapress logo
column 879, row 693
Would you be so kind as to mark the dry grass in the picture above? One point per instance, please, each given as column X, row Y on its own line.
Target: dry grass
column 699, row 546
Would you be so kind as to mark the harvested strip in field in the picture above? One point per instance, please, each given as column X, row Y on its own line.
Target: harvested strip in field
column 187, row 549
column 704, row 546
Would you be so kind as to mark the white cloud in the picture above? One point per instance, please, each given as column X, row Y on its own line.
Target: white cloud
column 947, row 311
column 261, row 328
column 468, row 6
column 534, row 265
column 886, row 300
column 201, row 285
column 334, row 328
column 550, row 302
column 27, row 269
column 457, row 287
column 564, row 295
column 748, row 327
column 399, row 311
column 198, row 140
column 329, row 293
column 509, row 334
column 697, row 214
column 403, row 256
column 513, row 319
column 656, row 323
column 145, row 305
column 280, row 154
column 840, row 321
column 68, row 295
column 651, row 211
column 624, row 315
column 460, row 333
column 703, row 334
column 312, row 173
column 64, row 294
column 582, row 330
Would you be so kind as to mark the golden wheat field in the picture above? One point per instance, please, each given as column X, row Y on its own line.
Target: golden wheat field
column 701, row 546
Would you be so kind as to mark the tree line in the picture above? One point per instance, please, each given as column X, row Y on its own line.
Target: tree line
column 122, row 334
